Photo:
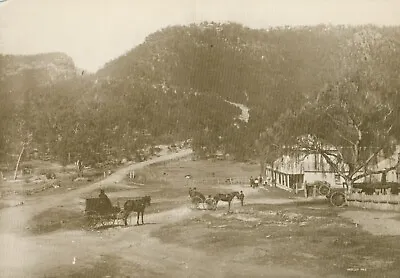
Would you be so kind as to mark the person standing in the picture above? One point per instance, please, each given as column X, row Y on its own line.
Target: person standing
column 241, row 197
column 256, row 182
column 79, row 164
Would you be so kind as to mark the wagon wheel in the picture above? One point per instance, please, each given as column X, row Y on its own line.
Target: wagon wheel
column 214, row 205
column 338, row 198
column 196, row 201
column 99, row 220
column 324, row 189
column 92, row 219
column 103, row 222
column 211, row 205
column 201, row 205
column 107, row 219
column 121, row 218
column 96, row 220
column 103, row 219
column 114, row 219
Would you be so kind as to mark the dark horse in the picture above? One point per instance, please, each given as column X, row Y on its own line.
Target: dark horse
column 227, row 198
column 136, row 205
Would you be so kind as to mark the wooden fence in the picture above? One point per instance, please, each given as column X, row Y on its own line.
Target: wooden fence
column 379, row 202
column 233, row 180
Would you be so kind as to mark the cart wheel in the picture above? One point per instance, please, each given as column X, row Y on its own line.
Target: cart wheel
column 202, row 206
column 209, row 204
column 91, row 220
column 324, row 189
column 338, row 198
column 197, row 203
column 98, row 221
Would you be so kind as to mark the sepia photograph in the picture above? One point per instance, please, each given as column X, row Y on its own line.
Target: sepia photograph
column 199, row 138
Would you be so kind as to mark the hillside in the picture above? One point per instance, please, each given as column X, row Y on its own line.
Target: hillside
column 178, row 83
column 257, row 67
column 21, row 72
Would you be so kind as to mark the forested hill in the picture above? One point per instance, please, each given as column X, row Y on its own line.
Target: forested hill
column 174, row 86
column 234, row 61
column 21, row 72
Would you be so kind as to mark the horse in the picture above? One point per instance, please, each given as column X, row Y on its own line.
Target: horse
column 136, row 205
column 227, row 198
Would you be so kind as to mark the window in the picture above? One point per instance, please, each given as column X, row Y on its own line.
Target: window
column 337, row 179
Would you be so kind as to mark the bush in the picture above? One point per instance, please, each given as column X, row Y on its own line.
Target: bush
column 50, row 175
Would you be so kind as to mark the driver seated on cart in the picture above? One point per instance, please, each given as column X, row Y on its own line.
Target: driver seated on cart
column 105, row 198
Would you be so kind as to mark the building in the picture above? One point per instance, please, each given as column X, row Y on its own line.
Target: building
column 298, row 169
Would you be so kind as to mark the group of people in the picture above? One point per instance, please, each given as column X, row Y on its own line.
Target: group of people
column 255, row 182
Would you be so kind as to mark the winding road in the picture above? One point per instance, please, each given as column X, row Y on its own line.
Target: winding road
column 133, row 250
column 20, row 253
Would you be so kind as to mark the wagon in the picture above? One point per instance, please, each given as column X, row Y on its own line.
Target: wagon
column 198, row 201
column 101, row 211
column 338, row 196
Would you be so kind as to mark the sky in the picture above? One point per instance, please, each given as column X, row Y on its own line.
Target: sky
column 93, row 32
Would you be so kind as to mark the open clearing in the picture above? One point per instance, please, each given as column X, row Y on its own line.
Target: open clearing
column 275, row 234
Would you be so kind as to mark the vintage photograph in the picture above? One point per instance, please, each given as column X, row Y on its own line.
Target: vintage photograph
column 199, row 138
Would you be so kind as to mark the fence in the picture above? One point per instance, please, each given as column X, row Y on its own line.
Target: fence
column 379, row 202
column 232, row 180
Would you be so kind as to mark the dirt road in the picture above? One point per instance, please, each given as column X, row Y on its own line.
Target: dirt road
column 19, row 254
column 140, row 251
column 13, row 219
column 133, row 250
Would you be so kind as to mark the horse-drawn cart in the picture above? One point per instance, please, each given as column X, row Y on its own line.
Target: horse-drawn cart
column 339, row 196
column 100, row 210
column 199, row 201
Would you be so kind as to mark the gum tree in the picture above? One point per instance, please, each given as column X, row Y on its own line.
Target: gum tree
column 354, row 119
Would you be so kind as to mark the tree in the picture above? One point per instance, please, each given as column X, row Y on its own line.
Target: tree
column 350, row 124
column 6, row 118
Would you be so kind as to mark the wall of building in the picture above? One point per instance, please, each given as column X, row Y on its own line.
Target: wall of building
column 300, row 163
column 390, row 177
column 310, row 177
column 315, row 168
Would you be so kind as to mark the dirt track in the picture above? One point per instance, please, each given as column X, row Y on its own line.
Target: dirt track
column 139, row 251
column 61, row 252
column 138, row 254
column 20, row 255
